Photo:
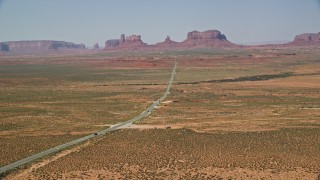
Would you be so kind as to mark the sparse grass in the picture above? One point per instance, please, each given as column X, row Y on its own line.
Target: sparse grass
column 186, row 154
column 14, row 148
column 241, row 94
column 252, row 109
column 60, row 97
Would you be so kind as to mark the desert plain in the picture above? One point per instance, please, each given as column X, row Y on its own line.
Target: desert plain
column 233, row 113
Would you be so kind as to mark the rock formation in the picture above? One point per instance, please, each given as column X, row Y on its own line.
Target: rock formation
column 195, row 39
column 132, row 42
column 69, row 45
column 133, row 39
column 4, row 47
column 112, row 43
column 129, row 42
column 307, row 38
column 96, row 46
column 122, row 39
column 167, row 39
column 41, row 45
column 167, row 43
column 211, row 38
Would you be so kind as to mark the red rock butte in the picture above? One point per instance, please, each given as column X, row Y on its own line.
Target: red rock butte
column 195, row 39
column 307, row 39
column 129, row 42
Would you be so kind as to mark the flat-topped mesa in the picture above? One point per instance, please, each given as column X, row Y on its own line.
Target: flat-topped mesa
column 67, row 45
column 132, row 42
column 41, row 45
column 210, row 38
column 210, row 34
column 129, row 42
column 307, row 38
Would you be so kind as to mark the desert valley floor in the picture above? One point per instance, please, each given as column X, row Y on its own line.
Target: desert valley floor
column 243, row 113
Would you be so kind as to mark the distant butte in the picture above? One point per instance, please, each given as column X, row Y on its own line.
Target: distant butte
column 167, row 43
column 195, row 39
column 96, row 46
column 129, row 42
column 306, row 39
column 38, row 45
column 211, row 38
column 4, row 47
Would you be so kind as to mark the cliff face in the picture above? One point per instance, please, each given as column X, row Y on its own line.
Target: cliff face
column 210, row 34
column 132, row 42
column 211, row 38
column 112, row 43
column 4, row 47
column 129, row 42
column 41, row 45
column 62, row 44
column 307, row 37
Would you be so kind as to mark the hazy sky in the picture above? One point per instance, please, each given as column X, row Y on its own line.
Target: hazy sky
column 90, row 21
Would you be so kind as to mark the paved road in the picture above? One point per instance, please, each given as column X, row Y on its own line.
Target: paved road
column 86, row 138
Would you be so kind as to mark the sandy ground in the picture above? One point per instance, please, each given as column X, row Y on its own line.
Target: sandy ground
column 196, row 173
column 185, row 154
column 26, row 173
column 236, row 139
